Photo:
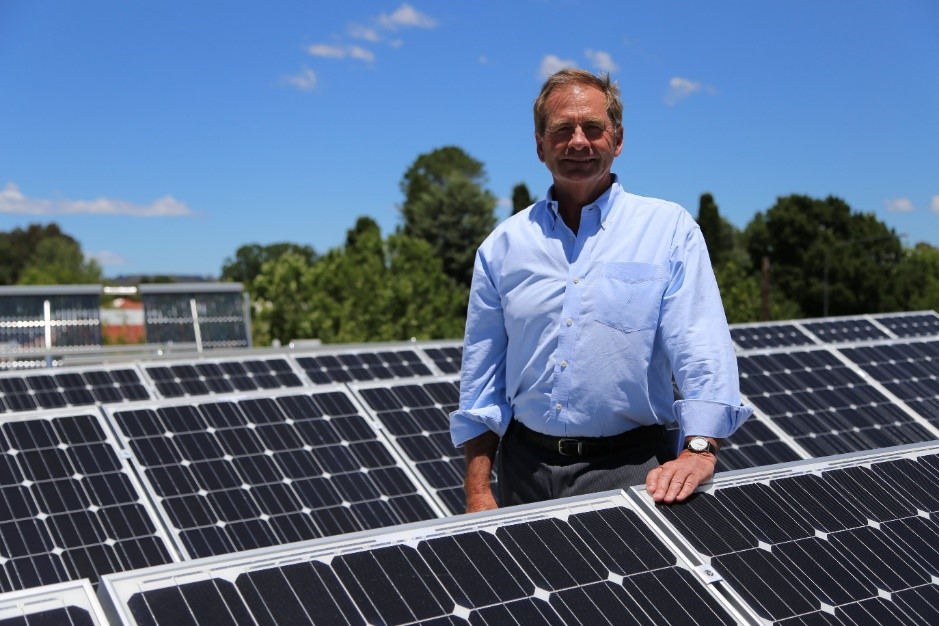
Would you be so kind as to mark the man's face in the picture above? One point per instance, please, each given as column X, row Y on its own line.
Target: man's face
column 579, row 142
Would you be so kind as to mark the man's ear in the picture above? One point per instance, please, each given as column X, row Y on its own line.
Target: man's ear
column 619, row 138
column 539, row 147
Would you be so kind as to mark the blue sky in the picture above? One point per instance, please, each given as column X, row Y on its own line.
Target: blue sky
column 164, row 135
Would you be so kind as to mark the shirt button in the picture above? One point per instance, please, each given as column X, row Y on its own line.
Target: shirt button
column 570, row 322
column 558, row 406
column 563, row 364
column 576, row 280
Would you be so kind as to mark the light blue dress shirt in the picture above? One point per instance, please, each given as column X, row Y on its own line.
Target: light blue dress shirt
column 579, row 335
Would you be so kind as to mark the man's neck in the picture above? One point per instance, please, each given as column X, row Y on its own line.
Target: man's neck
column 571, row 200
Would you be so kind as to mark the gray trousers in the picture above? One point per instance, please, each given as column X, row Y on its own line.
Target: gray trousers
column 529, row 473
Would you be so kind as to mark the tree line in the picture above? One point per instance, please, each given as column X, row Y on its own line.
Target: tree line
column 802, row 257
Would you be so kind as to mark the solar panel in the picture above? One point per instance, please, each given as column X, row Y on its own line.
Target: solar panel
column 59, row 388
column 349, row 365
column 579, row 561
column 255, row 471
column 214, row 376
column 448, row 359
column 909, row 370
column 71, row 603
column 70, row 506
column 775, row 335
column 824, row 405
column 911, row 324
column 415, row 416
column 849, row 540
column 843, row 330
column 755, row 443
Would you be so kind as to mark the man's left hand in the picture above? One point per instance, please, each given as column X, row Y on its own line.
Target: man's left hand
column 675, row 480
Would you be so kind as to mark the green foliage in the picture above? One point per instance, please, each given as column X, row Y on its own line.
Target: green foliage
column 369, row 290
column 719, row 234
column 915, row 282
column 802, row 236
column 249, row 258
column 59, row 261
column 521, row 198
column 741, row 295
column 447, row 206
column 17, row 248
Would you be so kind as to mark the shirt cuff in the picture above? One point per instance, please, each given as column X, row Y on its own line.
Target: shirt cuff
column 470, row 423
column 709, row 419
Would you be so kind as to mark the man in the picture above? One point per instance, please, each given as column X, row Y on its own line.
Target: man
column 583, row 308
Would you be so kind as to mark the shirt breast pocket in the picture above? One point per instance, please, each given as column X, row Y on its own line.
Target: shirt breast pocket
column 629, row 295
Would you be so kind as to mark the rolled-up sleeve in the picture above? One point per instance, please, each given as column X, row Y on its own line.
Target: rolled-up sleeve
column 697, row 339
column 483, row 402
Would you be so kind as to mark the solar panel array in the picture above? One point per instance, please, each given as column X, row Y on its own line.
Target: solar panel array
column 122, row 467
column 850, row 540
column 71, row 603
column 249, row 472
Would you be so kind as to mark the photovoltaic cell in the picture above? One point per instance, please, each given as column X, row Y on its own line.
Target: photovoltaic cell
column 344, row 367
column 69, row 506
column 260, row 471
column 847, row 542
column 843, row 330
column 915, row 325
column 416, row 417
column 752, row 445
column 591, row 562
column 200, row 378
column 824, row 405
column 448, row 359
column 909, row 370
column 768, row 336
column 69, row 388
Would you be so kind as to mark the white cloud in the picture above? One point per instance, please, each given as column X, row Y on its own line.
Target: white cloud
column 304, row 81
column 602, row 61
column 551, row 64
column 900, row 205
column 934, row 204
column 361, row 54
column 406, row 16
column 357, row 31
column 503, row 203
column 680, row 88
column 12, row 200
column 327, row 51
column 106, row 258
column 483, row 60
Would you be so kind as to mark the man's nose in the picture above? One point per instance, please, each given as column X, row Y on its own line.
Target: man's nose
column 578, row 139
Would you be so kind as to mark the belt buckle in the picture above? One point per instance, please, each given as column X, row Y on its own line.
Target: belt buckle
column 578, row 447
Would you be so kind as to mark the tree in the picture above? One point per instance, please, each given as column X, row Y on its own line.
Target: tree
column 914, row 285
column 802, row 234
column 59, row 261
column 447, row 207
column 718, row 233
column 742, row 296
column 368, row 290
column 248, row 259
column 521, row 198
column 18, row 246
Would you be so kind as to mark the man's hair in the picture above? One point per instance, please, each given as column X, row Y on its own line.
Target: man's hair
column 575, row 76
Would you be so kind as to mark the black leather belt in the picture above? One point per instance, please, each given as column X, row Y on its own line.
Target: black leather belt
column 591, row 446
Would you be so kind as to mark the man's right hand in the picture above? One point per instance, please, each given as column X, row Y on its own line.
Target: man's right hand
column 480, row 454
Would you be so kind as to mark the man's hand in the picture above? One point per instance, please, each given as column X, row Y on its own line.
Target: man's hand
column 480, row 454
column 675, row 480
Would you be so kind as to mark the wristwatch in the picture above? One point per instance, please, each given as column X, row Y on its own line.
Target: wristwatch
column 700, row 445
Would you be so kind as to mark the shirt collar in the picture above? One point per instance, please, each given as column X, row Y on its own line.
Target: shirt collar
column 605, row 202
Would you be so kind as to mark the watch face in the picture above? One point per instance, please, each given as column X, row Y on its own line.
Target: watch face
column 698, row 444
